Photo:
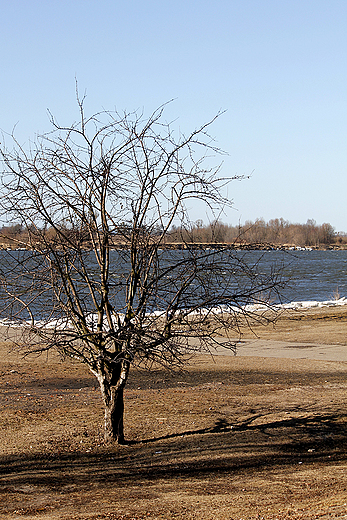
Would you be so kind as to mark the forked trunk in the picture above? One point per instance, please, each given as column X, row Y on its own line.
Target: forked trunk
column 112, row 381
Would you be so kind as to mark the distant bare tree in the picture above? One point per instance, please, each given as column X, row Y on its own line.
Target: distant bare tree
column 276, row 232
column 92, row 278
column 327, row 233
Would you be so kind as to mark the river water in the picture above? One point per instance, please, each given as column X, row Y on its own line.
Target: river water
column 310, row 276
column 313, row 275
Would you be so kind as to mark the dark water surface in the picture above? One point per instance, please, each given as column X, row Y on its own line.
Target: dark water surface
column 309, row 275
column 313, row 275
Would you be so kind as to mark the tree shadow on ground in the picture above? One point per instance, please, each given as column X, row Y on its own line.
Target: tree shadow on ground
column 206, row 452
column 313, row 424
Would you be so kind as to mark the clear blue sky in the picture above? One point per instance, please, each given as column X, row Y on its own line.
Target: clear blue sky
column 279, row 68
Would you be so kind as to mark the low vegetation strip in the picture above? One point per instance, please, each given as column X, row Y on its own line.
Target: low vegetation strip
column 258, row 235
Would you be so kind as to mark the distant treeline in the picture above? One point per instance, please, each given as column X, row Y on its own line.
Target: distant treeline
column 276, row 231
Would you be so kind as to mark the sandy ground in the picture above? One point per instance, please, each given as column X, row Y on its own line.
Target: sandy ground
column 258, row 435
column 317, row 334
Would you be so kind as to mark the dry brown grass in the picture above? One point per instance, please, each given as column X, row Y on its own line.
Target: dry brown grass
column 230, row 438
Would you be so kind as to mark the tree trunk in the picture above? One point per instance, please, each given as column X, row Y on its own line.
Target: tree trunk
column 114, row 412
column 112, row 381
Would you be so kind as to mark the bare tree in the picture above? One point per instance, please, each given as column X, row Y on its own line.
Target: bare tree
column 92, row 276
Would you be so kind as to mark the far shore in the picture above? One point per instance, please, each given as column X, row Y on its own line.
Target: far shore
column 243, row 246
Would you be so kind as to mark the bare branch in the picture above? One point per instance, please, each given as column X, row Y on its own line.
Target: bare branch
column 95, row 280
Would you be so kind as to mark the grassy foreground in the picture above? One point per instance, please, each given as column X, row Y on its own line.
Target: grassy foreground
column 230, row 438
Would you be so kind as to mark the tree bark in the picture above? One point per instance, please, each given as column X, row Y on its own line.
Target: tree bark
column 112, row 381
column 114, row 412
